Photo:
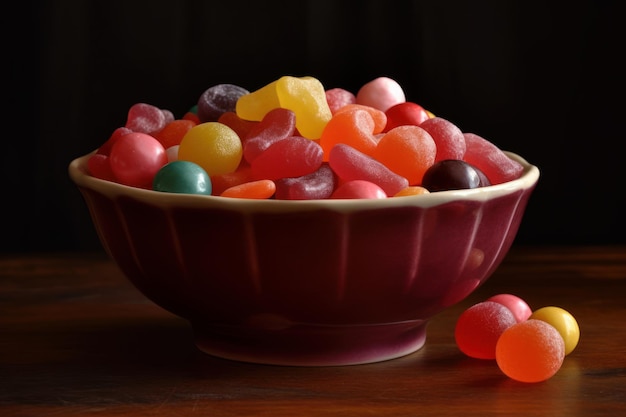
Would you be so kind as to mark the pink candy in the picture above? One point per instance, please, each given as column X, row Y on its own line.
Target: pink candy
column 381, row 93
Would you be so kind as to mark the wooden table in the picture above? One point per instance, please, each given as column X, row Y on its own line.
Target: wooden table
column 76, row 339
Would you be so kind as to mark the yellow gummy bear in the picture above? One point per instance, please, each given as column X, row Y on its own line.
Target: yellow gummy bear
column 305, row 96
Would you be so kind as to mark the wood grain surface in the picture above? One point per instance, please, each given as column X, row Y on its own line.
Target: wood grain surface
column 76, row 339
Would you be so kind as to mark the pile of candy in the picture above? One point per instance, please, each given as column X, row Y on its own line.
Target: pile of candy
column 527, row 346
column 293, row 139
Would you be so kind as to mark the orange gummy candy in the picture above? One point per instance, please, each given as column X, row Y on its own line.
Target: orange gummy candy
column 408, row 151
column 352, row 127
column 260, row 189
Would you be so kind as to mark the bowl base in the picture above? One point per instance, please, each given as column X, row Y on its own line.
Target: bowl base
column 311, row 345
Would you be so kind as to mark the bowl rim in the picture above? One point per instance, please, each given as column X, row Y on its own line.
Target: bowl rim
column 79, row 175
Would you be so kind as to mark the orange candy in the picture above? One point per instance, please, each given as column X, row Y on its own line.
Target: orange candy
column 173, row 132
column 261, row 189
column 530, row 351
column 408, row 151
column 379, row 116
column 354, row 127
column 411, row 190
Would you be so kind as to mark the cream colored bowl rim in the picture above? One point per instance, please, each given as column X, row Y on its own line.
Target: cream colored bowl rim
column 78, row 174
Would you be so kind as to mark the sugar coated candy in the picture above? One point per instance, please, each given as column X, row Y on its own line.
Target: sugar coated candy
column 563, row 321
column 381, row 144
column 479, row 327
column 520, row 309
column 212, row 145
column 530, row 351
column 218, row 100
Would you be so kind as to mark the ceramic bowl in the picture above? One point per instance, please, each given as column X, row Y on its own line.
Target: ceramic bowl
column 306, row 283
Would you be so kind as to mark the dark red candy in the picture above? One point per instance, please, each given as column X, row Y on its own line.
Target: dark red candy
column 315, row 186
column 452, row 174
column 219, row 99
column 277, row 124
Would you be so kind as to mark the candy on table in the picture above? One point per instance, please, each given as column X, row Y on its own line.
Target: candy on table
column 563, row 321
column 479, row 327
column 490, row 159
column 520, row 309
column 291, row 157
column 381, row 93
column 447, row 136
column 305, row 96
column 453, row 174
column 277, row 124
column 339, row 97
column 530, row 351
column 406, row 113
column 135, row 158
column 218, row 99
column 259, row 190
column 408, row 151
column 359, row 189
column 350, row 164
column 315, row 186
column 354, row 127
column 182, row 177
column 212, row 145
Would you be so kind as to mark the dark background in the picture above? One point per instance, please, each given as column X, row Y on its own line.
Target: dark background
column 540, row 79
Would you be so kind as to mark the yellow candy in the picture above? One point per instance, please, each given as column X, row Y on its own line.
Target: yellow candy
column 563, row 321
column 305, row 96
column 255, row 105
column 212, row 145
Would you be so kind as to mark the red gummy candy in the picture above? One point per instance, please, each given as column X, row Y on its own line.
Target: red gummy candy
column 291, row 157
column 350, row 164
column 479, row 327
column 145, row 118
column 447, row 136
column 338, row 98
column 277, row 124
column 492, row 161
column 315, row 186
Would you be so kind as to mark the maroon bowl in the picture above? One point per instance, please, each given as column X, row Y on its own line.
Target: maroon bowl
column 310, row 283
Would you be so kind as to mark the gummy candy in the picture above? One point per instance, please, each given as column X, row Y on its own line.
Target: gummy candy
column 317, row 185
column 291, row 157
column 530, row 351
column 408, row 151
column 277, row 124
column 213, row 146
column 338, row 98
column 492, row 161
column 218, row 99
column 520, row 309
column 447, row 136
column 145, row 118
column 479, row 327
column 563, row 321
column 354, row 127
column 350, row 164
column 259, row 189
